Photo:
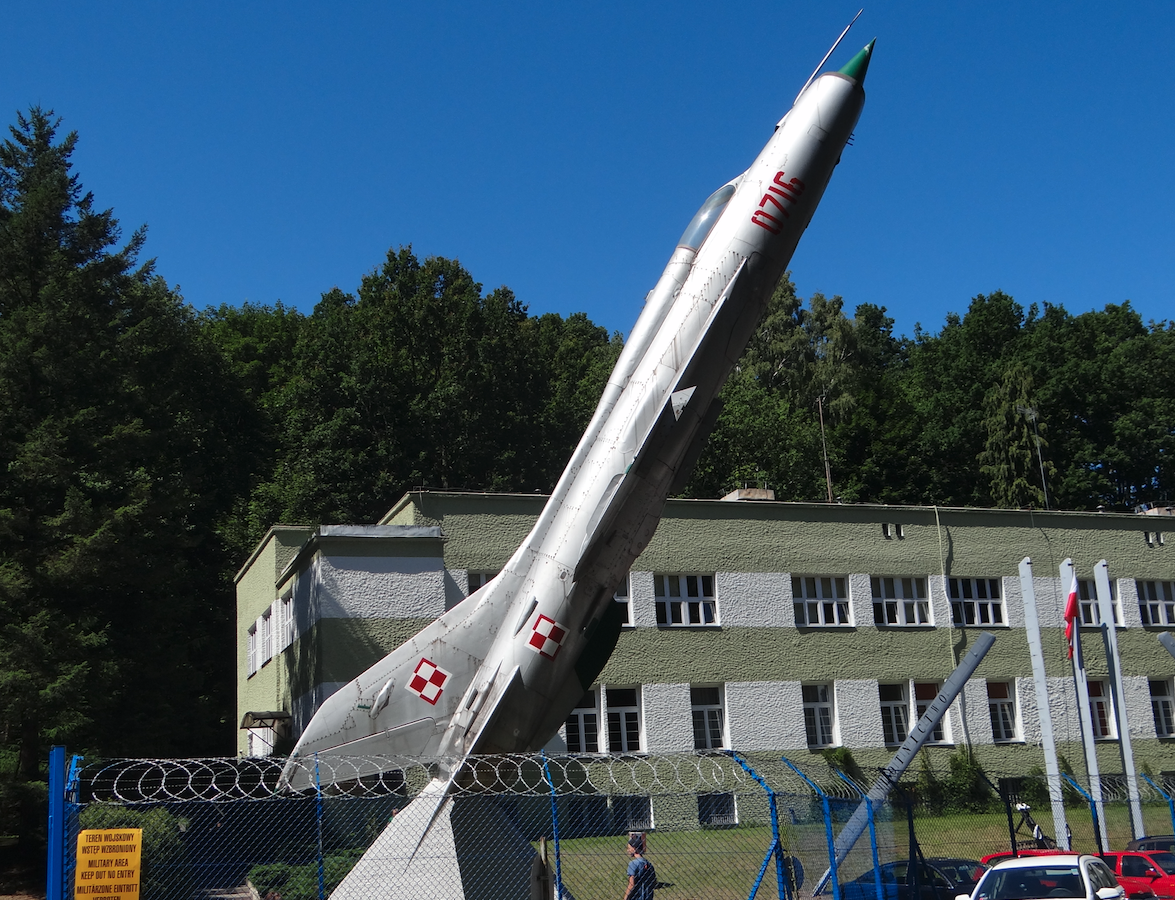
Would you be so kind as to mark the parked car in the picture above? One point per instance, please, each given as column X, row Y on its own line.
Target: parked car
column 992, row 858
column 1154, row 842
column 1042, row 877
column 942, row 878
column 1143, row 874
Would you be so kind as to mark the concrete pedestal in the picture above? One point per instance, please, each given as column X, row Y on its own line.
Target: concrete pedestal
column 447, row 848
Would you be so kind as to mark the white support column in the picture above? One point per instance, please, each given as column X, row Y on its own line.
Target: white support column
column 1083, row 712
column 1044, row 713
column 1105, row 605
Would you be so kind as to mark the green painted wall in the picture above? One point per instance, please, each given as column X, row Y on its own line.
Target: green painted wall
column 256, row 590
column 483, row 530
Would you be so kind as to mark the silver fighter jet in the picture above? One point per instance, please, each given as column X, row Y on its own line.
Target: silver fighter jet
column 500, row 672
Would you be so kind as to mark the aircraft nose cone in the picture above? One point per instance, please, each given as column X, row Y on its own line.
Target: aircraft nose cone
column 856, row 67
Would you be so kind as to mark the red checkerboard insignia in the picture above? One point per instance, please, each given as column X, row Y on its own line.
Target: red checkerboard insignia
column 546, row 637
column 428, row 681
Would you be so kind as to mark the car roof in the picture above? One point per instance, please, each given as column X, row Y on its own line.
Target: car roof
column 1164, row 838
column 1029, row 862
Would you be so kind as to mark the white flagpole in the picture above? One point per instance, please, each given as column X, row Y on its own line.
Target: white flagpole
column 1105, row 605
column 1069, row 583
column 1044, row 713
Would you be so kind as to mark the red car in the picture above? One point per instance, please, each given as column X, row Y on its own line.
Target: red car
column 1144, row 872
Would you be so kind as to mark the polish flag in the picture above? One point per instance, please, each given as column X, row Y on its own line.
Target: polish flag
column 1071, row 613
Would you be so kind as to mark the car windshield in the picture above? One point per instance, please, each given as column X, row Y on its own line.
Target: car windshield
column 1165, row 862
column 1032, row 883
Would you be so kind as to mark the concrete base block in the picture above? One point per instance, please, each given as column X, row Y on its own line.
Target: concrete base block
column 441, row 847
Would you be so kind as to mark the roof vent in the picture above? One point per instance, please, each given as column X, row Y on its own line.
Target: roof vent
column 763, row 493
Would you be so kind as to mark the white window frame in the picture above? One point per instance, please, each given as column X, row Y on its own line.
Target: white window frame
column 1156, row 602
column 685, row 600
column 1163, row 706
column 819, row 701
column 1005, row 724
column 973, row 603
column 266, row 641
column 627, row 719
column 254, row 650
column 821, row 601
column 583, row 725
column 623, row 596
column 285, row 622
column 1088, row 605
column 942, row 731
column 895, row 713
column 900, row 601
column 1101, row 709
column 707, row 717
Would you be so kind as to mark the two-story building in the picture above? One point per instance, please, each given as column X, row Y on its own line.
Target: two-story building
column 755, row 625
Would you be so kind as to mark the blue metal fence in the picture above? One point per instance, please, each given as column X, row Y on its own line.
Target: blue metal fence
column 714, row 824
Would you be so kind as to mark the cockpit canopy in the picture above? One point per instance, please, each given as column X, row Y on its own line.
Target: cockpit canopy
column 699, row 227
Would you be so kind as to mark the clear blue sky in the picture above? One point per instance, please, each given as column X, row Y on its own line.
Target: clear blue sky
column 276, row 150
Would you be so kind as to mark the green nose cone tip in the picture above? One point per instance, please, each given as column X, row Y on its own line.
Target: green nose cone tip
column 856, row 67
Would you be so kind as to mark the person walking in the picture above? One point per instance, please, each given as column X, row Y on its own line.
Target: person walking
column 642, row 877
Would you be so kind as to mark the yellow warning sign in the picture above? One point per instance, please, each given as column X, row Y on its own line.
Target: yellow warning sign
column 108, row 863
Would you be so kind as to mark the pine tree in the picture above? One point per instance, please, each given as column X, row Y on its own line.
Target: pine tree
column 118, row 432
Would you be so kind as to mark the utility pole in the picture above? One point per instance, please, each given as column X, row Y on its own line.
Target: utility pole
column 824, row 444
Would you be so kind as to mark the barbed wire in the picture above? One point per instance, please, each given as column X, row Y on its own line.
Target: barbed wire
column 228, row 779
column 261, row 778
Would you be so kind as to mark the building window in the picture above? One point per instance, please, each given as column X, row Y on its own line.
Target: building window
column 1162, row 707
column 976, row 601
column 895, row 712
column 706, row 708
column 900, row 601
column 254, row 653
column 717, row 810
column 624, row 599
column 1101, row 712
column 478, row 580
column 1001, row 704
column 1087, row 601
column 624, row 720
column 924, row 694
column 818, row 714
column 583, row 726
column 1156, row 602
column 285, row 622
column 685, row 600
column 267, row 636
column 631, row 813
column 820, row 600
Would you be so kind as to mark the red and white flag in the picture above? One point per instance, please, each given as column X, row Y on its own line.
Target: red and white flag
column 1072, row 611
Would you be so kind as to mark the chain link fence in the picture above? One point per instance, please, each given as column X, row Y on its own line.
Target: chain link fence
column 714, row 825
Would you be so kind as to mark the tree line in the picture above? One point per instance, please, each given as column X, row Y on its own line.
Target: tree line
column 146, row 445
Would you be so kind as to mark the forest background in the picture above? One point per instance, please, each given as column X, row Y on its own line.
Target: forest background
column 146, row 445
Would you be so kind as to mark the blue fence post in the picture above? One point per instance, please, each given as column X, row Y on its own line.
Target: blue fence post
column 554, row 828
column 872, row 828
column 70, row 820
column 1097, row 828
column 827, row 826
column 55, row 873
column 1165, row 796
column 318, row 816
column 776, row 847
